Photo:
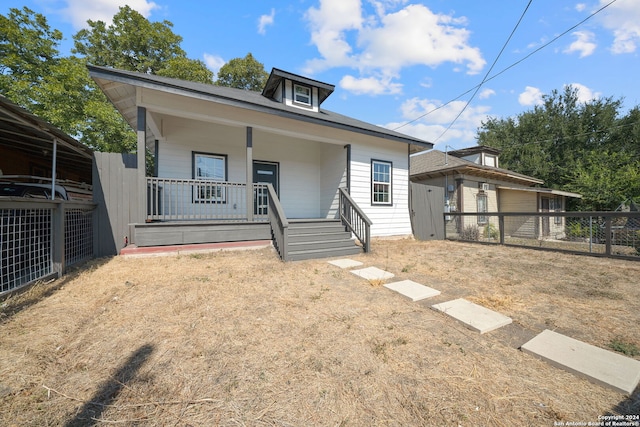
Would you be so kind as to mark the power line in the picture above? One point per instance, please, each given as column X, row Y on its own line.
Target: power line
column 484, row 79
column 477, row 87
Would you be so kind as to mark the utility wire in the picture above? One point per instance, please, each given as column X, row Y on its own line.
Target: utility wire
column 484, row 79
column 507, row 68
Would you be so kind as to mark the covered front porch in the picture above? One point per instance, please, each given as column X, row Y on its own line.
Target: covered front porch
column 217, row 182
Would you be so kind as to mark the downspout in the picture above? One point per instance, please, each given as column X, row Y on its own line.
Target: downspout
column 348, row 148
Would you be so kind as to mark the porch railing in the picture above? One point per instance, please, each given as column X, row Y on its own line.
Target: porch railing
column 279, row 224
column 174, row 199
column 355, row 219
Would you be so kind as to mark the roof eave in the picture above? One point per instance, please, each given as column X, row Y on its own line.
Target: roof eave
column 140, row 80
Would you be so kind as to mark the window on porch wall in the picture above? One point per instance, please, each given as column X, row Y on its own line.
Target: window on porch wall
column 211, row 167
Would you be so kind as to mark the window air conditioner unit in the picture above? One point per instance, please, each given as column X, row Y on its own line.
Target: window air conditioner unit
column 485, row 186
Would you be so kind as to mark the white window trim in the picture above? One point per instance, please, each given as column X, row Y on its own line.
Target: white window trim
column 295, row 95
column 216, row 193
column 374, row 182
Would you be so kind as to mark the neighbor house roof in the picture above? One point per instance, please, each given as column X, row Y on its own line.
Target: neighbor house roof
column 541, row 190
column 437, row 163
column 119, row 86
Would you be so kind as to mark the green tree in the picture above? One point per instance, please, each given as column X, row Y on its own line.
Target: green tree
column 28, row 52
column 59, row 89
column 243, row 73
column 589, row 148
column 133, row 43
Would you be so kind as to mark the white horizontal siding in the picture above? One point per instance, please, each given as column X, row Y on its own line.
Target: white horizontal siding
column 299, row 163
column 183, row 137
column 391, row 220
column 333, row 176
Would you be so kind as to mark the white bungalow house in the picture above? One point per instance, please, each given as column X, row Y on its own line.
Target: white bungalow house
column 307, row 169
column 472, row 182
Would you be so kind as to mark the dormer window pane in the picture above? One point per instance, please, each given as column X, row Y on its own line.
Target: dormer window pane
column 302, row 94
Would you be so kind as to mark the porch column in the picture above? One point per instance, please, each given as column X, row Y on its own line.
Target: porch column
column 142, row 173
column 249, row 173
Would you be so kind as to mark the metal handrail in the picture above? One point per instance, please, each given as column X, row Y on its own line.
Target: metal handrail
column 279, row 224
column 355, row 219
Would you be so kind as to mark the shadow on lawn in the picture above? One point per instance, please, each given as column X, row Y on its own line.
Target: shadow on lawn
column 629, row 406
column 23, row 298
column 91, row 412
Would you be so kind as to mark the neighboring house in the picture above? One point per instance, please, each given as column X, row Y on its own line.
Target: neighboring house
column 471, row 181
column 210, row 143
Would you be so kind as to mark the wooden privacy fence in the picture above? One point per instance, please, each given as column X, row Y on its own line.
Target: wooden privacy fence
column 612, row 234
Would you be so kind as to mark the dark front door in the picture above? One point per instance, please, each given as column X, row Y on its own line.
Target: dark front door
column 264, row 173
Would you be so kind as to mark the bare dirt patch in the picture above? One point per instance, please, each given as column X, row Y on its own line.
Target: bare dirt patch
column 240, row 338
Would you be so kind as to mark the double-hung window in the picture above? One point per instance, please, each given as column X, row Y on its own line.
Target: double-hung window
column 302, row 94
column 483, row 206
column 209, row 167
column 381, row 185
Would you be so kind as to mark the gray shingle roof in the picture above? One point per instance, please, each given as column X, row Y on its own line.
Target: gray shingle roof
column 254, row 101
column 435, row 163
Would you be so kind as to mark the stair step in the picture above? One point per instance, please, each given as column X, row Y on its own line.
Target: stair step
column 323, row 253
column 315, row 228
column 321, row 244
column 333, row 235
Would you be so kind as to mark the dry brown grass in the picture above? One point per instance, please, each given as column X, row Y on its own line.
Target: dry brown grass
column 240, row 338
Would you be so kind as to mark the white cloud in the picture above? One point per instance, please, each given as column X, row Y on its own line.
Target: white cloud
column 486, row 93
column 384, row 43
column 329, row 25
column 266, row 20
column 370, row 85
column 213, row 62
column 623, row 18
column 530, row 96
column 583, row 43
column 584, row 93
column 580, row 7
column 79, row 11
column 431, row 126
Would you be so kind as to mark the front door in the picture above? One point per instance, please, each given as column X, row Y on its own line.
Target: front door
column 264, row 173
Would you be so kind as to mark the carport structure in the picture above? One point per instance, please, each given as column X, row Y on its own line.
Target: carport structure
column 39, row 238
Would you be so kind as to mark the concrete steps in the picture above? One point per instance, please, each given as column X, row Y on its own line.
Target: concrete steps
column 310, row 239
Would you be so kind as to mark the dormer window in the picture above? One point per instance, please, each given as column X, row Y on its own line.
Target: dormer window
column 302, row 94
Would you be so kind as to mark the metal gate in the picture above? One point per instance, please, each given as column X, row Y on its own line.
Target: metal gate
column 427, row 206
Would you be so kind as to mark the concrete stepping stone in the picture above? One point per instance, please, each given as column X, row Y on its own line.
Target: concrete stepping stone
column 594, row 363
column 473, row 316
column 345, row 263
column 412, row 290
column 372, row 273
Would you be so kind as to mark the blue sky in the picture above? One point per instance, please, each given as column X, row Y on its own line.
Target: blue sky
column 392, row 61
